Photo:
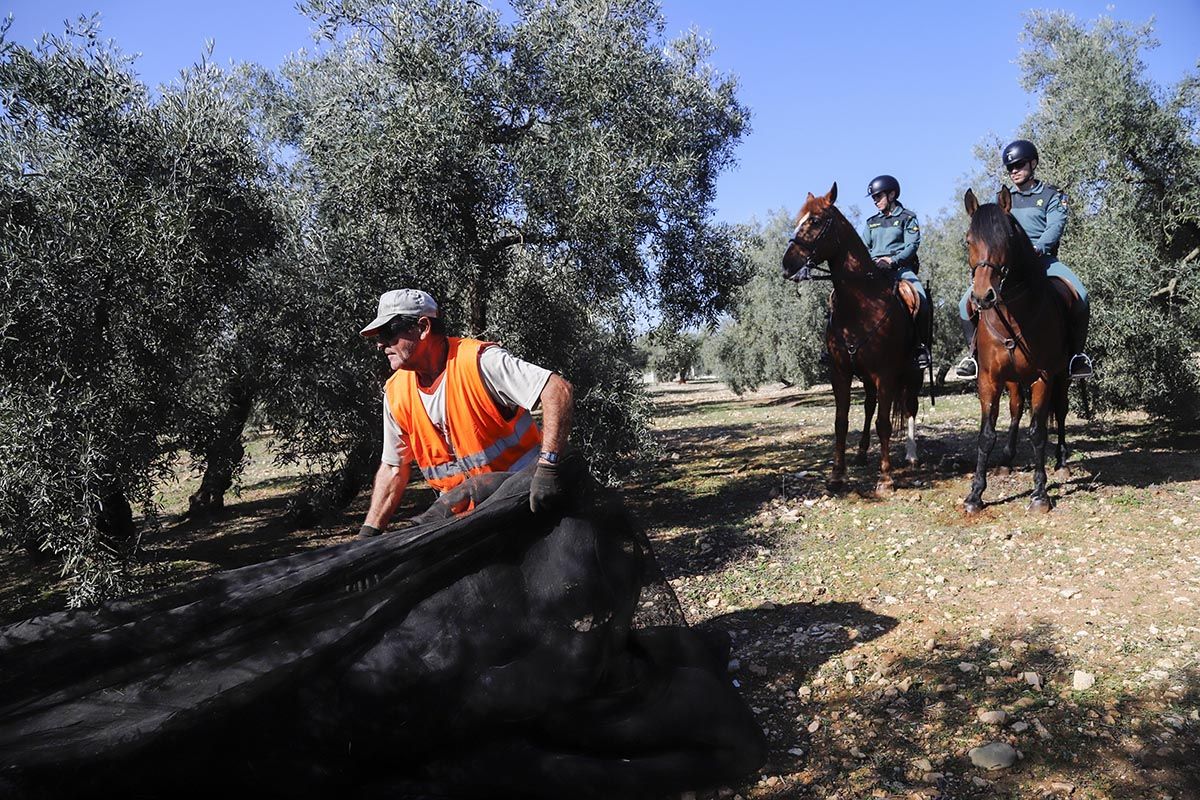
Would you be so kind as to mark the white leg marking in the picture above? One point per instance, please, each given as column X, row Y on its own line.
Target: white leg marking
column 910, row 446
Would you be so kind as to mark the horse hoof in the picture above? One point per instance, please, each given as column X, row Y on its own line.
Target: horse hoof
column 861, row 460
column 836, row 485
column 1003, row 472
column 1062, row 473
column 884, row 489
column 1041, row 504
column 972, row 507
column 913, row 462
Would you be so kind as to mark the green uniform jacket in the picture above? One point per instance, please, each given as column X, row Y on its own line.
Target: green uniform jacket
column 1042, row 212
column 896, row 235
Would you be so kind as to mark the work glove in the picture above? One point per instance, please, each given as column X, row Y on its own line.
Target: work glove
column 545, row 489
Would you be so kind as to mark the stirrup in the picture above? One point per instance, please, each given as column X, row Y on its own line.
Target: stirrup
column 967, row 368
column 1081, row 367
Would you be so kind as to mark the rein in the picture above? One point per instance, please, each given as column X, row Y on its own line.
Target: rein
column 1014, row 340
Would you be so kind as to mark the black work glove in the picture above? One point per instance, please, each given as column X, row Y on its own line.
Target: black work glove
column 545, row 489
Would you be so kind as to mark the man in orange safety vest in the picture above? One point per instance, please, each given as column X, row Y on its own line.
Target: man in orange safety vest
column 460, row 407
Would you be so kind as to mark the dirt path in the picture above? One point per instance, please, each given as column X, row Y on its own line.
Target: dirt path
column 872, row 634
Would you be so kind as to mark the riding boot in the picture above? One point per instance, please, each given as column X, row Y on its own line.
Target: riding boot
column 1081, row 365
column 922, row 358
column 968, row 367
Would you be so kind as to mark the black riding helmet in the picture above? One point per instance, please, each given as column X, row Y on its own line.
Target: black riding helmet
column 1020, row 150
column 884, row 183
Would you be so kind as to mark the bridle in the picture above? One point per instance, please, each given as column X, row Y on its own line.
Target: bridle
column 810, row 264
column 994, row 295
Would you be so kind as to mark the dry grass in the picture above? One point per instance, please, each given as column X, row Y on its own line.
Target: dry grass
column 870, row 633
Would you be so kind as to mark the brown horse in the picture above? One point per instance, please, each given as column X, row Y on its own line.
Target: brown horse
column 871, row 333
column 1021, row 340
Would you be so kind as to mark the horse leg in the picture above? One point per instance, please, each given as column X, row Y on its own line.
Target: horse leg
column 989, row 409
column 1039, row 416
column 1016, row 407
column 911, row 400
column 1061, row 402
column 883, row 428
column 869, row 398
column 841, row 424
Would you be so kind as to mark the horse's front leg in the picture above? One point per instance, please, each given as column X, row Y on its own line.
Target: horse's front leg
column 989, row 409
column 1061, row 403
column 869, row 398
column 883, row 428
column 1039, row 416
column 841, row 425
column 1016, row 407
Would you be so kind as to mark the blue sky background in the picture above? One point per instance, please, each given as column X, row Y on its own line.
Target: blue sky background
column 840, row 90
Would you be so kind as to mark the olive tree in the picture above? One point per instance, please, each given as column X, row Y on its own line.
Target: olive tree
column 545, row 173
column 1127, row 152
column 124, row 221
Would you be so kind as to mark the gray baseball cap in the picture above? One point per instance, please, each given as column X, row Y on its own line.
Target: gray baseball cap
column 398, row 303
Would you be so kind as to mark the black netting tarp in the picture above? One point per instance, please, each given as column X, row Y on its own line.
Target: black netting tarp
column 490, row 654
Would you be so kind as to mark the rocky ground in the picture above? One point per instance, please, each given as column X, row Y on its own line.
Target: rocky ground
column 891, row 648
column 897, row 648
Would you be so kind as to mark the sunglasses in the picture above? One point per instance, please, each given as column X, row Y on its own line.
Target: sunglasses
column 1016, row 165
column 396, row 328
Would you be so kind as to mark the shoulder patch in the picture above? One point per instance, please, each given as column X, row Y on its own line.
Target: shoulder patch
column 1039, row 202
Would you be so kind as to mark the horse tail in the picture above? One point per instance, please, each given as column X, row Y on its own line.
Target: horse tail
column 907, row 397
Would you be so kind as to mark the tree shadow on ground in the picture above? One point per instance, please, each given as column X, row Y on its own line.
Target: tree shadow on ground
column 906, row 724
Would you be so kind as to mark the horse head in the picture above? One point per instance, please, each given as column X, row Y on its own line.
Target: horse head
column 814, row 239
column 998, row 249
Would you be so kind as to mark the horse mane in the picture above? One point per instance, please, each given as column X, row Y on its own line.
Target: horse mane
column 998, row 230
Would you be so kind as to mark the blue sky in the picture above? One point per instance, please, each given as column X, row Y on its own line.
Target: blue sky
column 839, row 89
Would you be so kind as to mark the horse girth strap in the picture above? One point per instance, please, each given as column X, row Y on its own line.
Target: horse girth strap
column 852, row 344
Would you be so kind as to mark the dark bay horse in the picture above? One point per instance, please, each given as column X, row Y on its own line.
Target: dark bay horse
column 1021, row 341
column 871, row 332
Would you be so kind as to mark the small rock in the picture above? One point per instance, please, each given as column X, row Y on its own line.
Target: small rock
column 1019, row 727
column 1018, row 646
column 923, row 764
column 1004, row 664
column 1024, row 703
column 1062, row 787
column 852, row 661
column 905, row 684
column 854, row 751
column 982, row 783
column 995, row 755
column 1033, row 679
column 1083, row 681
column 1068, row 593
column 932, row 777
column 966, row 666
column 996, row 717
column 796, row 751
column 814, row 726
column 930, row 644
column 850, row 679
column 1042, row 733
column 713, row 602
column 804, row 692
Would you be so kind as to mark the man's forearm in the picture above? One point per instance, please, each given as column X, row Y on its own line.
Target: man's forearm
column 558, row 405
column 390, row 483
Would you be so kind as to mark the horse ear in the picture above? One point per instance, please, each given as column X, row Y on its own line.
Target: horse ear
column 811, row 196
column 971, row 203
column 1004, row 198
column 832, row 196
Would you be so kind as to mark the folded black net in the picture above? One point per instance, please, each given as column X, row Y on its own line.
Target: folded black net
column 493, row 654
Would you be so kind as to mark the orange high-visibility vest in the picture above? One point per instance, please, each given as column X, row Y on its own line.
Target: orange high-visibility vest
column 481, row 439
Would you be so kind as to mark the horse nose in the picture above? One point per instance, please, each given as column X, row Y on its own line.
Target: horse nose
column 990, row 297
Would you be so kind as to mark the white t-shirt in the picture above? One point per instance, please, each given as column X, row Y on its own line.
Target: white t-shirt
column 511, row 382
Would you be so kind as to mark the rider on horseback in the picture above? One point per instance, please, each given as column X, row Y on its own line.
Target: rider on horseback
column 893, row 236
column 1041, row 209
